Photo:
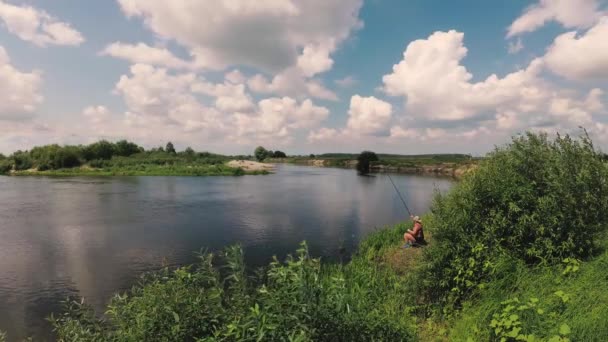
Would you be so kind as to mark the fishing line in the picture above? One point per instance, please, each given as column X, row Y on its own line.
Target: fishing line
column 399, row 193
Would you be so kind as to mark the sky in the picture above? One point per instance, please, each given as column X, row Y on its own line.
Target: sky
column 302, row 76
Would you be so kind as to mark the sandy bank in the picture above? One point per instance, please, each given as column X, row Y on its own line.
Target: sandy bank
column 249, row 165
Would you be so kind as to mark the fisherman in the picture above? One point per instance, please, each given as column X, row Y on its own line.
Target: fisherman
column 414, row 236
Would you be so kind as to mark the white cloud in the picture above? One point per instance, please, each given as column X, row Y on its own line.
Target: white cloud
column 437, row 88
column 315, row 59
column 19, row 91
column 96, row 114
column 569, row 13
column 230, row 97
column 165, row 98
column 346, row 82
column 368, row 115
column 291, row 82
column 323, row 134
column 265, row 34
column 160, row 101
column 145, row 54
column 583, row 57
column 37, row 26
column 277, row 119
column 236, row 77
column 515, row 47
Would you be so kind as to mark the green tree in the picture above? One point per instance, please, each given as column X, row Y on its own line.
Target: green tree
column 125, row 148
column 260, row 153
column 312, row 156
column 102, row 149
column 189, row 151
column 170, row 148
column 279, row 154
column 2, row 156
column 66, row 157
column 22, row 160
column 364, row 160
column 5, row 166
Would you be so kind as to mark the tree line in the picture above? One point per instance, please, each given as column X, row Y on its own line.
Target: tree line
column 54, row 157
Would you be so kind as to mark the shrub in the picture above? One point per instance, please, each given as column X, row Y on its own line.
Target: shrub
column 260, row 153
column 296, row 300
column 5, row 166
column 22, row 161
column 363, row 161
column 535, row 200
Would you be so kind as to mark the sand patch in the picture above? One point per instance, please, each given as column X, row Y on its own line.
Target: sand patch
column 249, row 165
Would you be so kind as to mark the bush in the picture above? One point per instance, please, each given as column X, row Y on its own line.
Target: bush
column 296, row 300
column 260, row 153
column 363, row 161
column 22, row 161
column 5, row 166
column 535, row 200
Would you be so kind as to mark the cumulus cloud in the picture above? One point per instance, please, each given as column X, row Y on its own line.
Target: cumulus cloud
column 569, row 13
column 159, row 99
column 437, row 88
column 96, row 114
column 37, row 26
column 278, row 118
column 271, row 35
column 166, row 98
column 443, row 105
column 230, row 96
column 143, row 53
column 19, row 91
column 580, row 57
column 291, row 82
column 368, row 115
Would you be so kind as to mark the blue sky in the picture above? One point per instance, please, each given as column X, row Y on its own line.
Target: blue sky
column 301, row 76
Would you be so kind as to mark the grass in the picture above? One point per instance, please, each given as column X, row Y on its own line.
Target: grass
column 145, row 170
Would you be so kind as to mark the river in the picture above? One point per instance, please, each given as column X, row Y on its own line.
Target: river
column 91, row 237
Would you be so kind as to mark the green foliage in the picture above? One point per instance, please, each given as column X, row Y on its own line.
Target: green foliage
column 298, row 300
column 260, row 153
column 22, row 160
column 2, row 337
column 99, row 150
column 363, row 161
column 125, row 148
column 189, row 151
column 169, row 148
column 279, row 154
column 122, row 158
column 535, row 200
column 5, row 166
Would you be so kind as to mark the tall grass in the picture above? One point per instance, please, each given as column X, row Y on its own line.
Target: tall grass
column 295, row 300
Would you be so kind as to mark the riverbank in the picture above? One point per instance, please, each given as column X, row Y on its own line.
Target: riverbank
column 145, row 170
column 124, row 158
column 420, row 166
column 517, row 252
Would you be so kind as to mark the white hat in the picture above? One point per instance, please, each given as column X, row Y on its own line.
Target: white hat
column 417, row 219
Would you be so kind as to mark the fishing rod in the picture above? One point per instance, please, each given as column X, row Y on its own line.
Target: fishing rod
column 399, row 193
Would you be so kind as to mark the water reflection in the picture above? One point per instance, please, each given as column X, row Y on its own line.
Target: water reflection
column 92, row 236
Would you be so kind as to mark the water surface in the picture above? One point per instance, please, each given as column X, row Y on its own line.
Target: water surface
column 92, row 237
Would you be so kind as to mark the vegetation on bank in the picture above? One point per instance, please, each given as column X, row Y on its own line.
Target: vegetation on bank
column 447, row 164
column 517, row 253
column 122, row 158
